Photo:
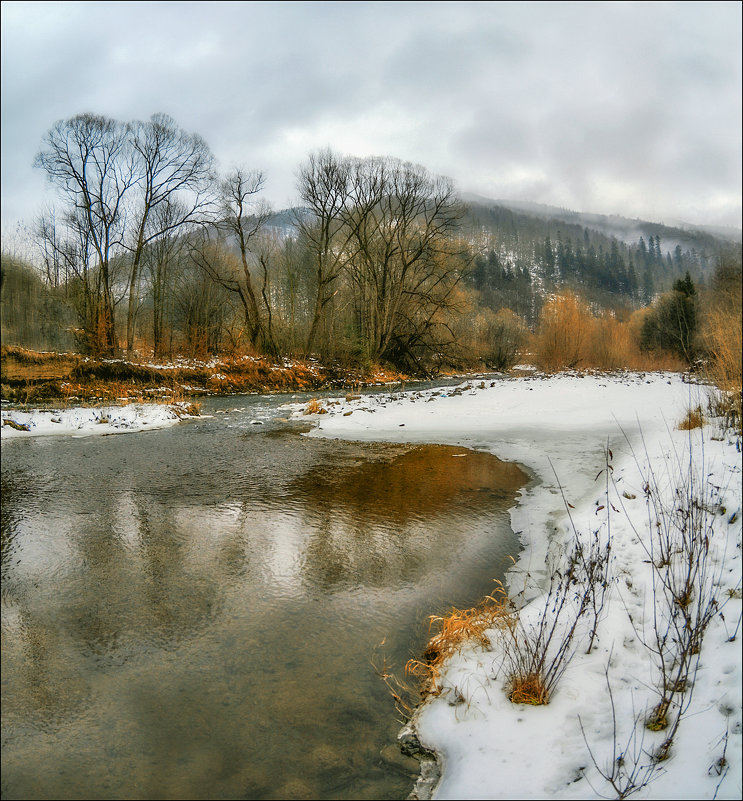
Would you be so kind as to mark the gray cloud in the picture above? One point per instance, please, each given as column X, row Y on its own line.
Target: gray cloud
column 631, row 108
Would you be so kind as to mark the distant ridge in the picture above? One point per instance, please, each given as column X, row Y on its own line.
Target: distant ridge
column 623, row 228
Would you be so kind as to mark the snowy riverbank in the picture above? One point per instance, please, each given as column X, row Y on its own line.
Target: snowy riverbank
column 84, row 421
column 562, row 428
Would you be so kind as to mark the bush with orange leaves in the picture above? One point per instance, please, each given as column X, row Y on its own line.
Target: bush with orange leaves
column 569, row 336
column 565, row 327
column 722, row 335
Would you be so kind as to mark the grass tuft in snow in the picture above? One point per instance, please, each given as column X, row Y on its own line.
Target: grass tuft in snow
column 694, row 419
column 459, row 627
column 538, row 652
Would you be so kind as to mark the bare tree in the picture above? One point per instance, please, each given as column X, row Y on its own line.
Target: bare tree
column 172, row 165
column 402, row 258
column 324, row 184
column 241, row 221
column 47, row 240
column 202, row 307
column 161, row 259
column 388, row 227
column 90, row 159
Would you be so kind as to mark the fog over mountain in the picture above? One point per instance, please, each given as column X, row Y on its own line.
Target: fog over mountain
column 623, row 228
column 628, row 108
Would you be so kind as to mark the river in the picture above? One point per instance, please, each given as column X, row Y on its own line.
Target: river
column 201, row 611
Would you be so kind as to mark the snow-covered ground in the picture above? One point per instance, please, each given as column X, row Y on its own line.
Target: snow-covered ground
column 87, row 421
column 562, row 429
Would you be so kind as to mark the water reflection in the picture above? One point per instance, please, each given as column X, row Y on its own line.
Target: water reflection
column 371, row 519
column 10, row 486
column 195, row 615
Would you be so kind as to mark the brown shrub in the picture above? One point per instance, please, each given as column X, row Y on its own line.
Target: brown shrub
column 528, row 689
column 570, row 336
column 694, row 419
column 609, row 345
column 723, row 338
column 565, row 325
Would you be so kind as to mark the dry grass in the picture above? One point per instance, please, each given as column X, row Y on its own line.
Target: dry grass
column 187, row 409
column 428, row 674
column 658, row 720
column 459, row 627
column 314, row 406
column 723, row 338
column 694, row 419
column 528, row 689
column 32, row 357
column 29, row 377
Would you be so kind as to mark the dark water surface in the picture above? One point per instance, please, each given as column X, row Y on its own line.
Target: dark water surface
column 194, row 612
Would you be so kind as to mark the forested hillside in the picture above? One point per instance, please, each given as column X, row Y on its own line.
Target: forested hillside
column 521, row 257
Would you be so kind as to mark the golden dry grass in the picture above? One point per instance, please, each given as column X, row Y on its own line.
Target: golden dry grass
column 313, row 406
column 29, row 377
column 658, row 719
column 457, row 628
column 528, row 689
column 694, row 419
column 723, row 338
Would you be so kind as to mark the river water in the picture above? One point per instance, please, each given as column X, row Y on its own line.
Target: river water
column 200, row 612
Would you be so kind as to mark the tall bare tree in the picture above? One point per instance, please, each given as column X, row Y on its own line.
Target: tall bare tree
column 91, row 161
column 174, row 169
column 234, row 257
column 161, row 259
column 403, row 256
column 324, row 184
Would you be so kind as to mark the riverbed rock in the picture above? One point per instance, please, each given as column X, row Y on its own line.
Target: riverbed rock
column 297, row 789
column 332, row 763
column 409, row 743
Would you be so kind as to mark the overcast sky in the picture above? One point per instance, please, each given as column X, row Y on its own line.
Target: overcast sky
column 629, row 108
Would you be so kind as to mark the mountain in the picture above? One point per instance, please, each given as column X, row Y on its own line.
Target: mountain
column 622, row 228
column 522, row 252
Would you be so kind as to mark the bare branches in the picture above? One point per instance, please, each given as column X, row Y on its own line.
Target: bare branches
column 387, row 225
column 324, row 184
column 538, row 652
column 244, row 219
column 113, row 177
column 631, row 767
column 173, row 169
column 91, row 160
column 685, row 584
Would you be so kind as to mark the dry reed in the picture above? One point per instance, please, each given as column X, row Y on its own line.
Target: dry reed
column 457, row 628
column 694, row 419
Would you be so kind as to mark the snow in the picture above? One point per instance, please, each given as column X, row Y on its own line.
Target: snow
column 88, row 421
column 561, row 429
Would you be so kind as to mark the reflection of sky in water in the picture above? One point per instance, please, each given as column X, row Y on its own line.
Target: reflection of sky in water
column 192, row 613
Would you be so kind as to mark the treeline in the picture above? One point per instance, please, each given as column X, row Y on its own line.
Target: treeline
column 152, row 252
column 154, row 249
